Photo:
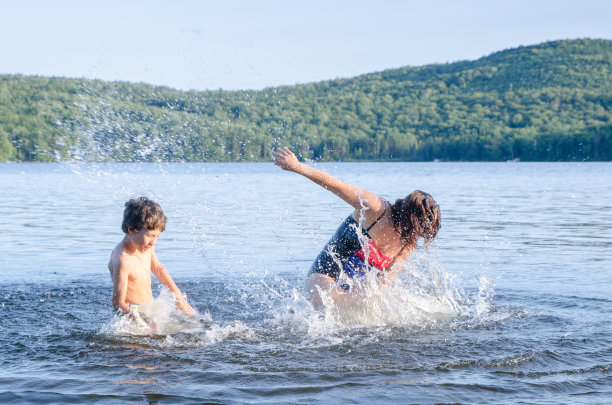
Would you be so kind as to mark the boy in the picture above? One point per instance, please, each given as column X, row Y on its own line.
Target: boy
column 134, row 258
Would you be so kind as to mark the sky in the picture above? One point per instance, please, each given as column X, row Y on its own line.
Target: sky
column 240, row 44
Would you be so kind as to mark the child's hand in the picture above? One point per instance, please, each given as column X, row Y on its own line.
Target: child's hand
column 285, row 159
column 182, row 304
column 144, row 320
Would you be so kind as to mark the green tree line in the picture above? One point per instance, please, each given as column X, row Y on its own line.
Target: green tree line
column 547, row 102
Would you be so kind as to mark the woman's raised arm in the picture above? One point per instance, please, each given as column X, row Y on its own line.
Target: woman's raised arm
column 354, row 196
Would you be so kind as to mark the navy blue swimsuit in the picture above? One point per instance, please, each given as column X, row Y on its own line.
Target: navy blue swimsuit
column 347, row 250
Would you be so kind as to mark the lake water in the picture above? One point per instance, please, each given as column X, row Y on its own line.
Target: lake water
column 513, row 304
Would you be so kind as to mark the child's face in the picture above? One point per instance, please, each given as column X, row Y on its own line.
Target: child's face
column 145, row 239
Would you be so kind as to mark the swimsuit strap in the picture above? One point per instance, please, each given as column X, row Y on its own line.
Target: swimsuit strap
column 377, row 219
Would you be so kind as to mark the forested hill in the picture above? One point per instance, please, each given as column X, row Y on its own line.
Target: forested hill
column 551, row 101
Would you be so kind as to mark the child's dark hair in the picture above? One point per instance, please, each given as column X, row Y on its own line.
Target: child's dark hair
column 141, row 213
column 416, row 216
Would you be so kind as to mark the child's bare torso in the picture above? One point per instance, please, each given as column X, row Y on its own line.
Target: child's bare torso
column 138, row 266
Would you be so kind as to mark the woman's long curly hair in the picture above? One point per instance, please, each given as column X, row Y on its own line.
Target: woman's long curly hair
column 416, row 216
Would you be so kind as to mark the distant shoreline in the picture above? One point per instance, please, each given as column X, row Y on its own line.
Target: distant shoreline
column 546, row 102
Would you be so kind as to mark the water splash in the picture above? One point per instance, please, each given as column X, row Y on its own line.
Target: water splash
column 159, row 324
column 424, row 298
column 159, row 317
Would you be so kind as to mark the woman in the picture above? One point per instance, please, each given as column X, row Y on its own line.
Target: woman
column 386, row 234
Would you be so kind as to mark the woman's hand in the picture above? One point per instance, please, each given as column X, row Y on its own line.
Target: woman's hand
column 285, row 159
column 356, row 197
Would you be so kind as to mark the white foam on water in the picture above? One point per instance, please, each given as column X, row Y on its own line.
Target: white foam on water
column 209, row 334
column 233, row 330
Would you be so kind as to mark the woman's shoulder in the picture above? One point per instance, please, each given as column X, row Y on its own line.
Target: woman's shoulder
column 377, row 205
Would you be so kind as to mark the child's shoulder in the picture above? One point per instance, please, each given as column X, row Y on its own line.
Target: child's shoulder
column 119, row 256
column 118, row 249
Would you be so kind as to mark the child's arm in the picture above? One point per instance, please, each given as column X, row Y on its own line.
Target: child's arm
column 354, row 196
column 163, row 276
column 120, row 282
